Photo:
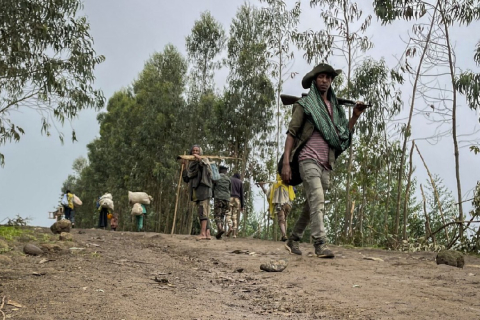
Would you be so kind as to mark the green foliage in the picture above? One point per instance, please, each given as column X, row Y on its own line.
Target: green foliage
column 206, row 41
column 46, row 63
column 11, row 232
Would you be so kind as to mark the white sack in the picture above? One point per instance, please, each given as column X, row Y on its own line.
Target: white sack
column 77, row 201
column 137, row 209
column 106, row 203
column 139, row 197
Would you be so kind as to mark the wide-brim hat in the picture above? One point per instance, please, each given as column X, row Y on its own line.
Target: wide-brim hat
column 321, row 68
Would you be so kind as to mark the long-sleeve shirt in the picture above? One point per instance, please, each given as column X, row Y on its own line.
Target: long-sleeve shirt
column 222, row 188
column 237, row 190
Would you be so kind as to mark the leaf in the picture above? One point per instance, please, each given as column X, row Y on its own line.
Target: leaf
column 15, row 304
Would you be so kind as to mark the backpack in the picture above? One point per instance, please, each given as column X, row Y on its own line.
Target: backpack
column 65, row 200
column 215, row 172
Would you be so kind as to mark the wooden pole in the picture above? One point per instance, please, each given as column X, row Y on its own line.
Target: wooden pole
column 176, row 200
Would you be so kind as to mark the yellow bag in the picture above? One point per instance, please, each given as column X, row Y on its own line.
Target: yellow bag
column 109, row 216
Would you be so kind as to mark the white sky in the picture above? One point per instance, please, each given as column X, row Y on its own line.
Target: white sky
column 127, row 32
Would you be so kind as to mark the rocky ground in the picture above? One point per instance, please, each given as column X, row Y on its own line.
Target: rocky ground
column 122, row 275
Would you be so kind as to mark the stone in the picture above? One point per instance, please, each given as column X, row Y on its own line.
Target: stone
column 274, row 266
column 451, row 258
column 51, row 248
column 32, row 250
column 4, row 259
column 65, row 236
column 61, row 226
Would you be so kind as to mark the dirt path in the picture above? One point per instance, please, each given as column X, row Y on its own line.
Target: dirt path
column 112, row 276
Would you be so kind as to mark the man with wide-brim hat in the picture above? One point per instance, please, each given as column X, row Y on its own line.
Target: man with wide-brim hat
column 317, row 134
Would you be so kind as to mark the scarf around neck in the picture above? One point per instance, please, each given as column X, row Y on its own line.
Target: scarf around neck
column 336, row 133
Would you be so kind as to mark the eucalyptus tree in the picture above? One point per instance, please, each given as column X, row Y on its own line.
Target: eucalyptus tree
column 46, row 64
column 280, row 25
column 245, row 121
column 161, row 134
column 439, row 53
column 204, row 44
column 141, row 134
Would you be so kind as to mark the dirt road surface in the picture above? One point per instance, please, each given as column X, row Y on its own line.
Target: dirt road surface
column 123, row 275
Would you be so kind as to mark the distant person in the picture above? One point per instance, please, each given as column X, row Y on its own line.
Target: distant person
column 236, row 205
column 200, row 185
column 139, row 218
column 280, row 197
column 222, row 189
column 114, row 222
column 102, row 217
column 68, row 207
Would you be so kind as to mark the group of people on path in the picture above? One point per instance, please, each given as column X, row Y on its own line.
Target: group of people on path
column 318, row 133
column 226, row 191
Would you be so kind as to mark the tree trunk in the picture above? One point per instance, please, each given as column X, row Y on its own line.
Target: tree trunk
column 454, row 125
column 348, row 222
column 437, row 196
column 407, row 193
column 408, row 127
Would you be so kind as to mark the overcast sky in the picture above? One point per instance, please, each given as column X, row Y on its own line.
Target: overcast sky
column 127, row 32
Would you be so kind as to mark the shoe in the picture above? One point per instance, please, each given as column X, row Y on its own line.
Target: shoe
column 284, row 238
column 293, row 247
column 322, row 250
column 229, row 232
column 73, row 225
column 219, row 234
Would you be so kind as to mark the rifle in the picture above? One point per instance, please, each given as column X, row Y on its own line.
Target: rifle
column 192, row 157
column 288, row 100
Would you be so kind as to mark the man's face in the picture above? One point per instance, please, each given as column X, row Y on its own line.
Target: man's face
column 323, row 82
column 196, row 150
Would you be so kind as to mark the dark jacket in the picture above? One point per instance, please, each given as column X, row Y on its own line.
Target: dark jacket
column 237, row 189
column 222, row 188
column 200, row 182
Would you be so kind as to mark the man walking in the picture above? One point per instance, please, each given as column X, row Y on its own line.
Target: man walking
column 280, row 197
column 317, row 134
column 222, row 189
column 200, row 185
column 236, row 205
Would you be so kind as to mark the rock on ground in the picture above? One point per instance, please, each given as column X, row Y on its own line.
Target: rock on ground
column 51, row 248
column 61, row 226
column 451, row 258
column 32, row 250
column 65, row 236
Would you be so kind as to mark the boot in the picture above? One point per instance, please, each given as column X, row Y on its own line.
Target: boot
column 220, row 231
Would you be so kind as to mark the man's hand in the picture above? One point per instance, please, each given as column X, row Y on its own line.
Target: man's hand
column 359, row 108
column 197, row 157
column 286, row 173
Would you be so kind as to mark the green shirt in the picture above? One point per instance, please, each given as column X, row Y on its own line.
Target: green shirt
column 222, row 187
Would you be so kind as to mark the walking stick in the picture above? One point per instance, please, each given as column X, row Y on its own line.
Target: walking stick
column 176, row 200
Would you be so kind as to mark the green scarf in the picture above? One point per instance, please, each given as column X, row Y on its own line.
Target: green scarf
column 336, row 133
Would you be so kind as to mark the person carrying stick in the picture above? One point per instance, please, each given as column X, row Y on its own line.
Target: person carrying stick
column 200, row 185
